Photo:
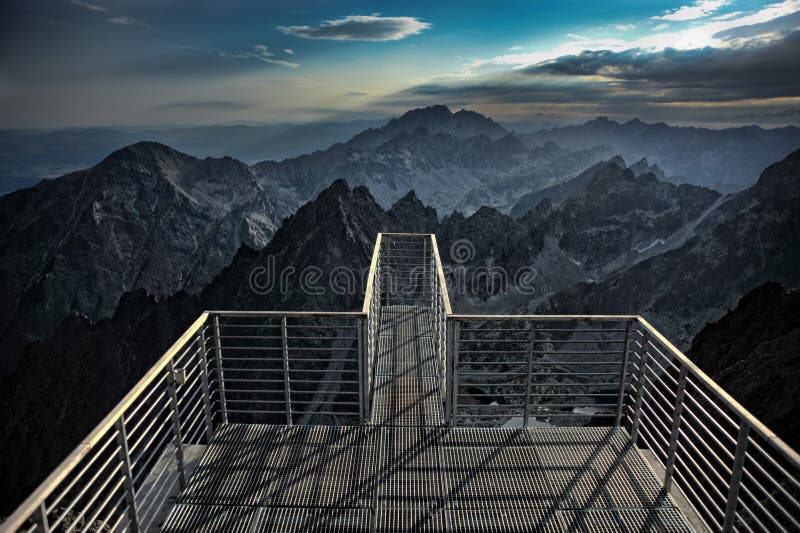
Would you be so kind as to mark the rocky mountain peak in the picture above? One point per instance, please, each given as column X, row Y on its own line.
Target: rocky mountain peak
column 411, row 214
column 511, row 144
column 642, row 167
column 617, row 160
column 145, row 152
column 434, row 119
column 781, row 178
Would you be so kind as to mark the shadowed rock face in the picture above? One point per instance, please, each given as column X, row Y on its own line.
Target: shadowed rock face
column 753, row 352
column 752, row 237
column 147, row 217
column 66, row 384
column 413, row 216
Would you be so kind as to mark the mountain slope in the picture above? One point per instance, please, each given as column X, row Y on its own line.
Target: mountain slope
column 146, row 217
column 751, row 237
column 337, row 229
column 753, row 352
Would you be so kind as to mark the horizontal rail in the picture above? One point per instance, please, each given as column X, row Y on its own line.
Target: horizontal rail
column 288, row 314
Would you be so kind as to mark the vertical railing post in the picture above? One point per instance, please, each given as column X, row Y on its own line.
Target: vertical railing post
column 286, row 390
column 363, row 341
column 528, row 375
column 41, row 518
column 675, row 429
column 453, row 332
column 640, row 385
column 624, row 375
column 736, row 476
column 209, row 417
column 220, row 371
column 127, row 473
column 177, row 437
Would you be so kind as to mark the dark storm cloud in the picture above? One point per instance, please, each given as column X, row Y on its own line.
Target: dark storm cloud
column 716, row 74
column 637, row 76
column 360, row 28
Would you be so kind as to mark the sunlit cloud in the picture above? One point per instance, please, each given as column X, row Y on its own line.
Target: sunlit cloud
column 289, row 51
column 91, row 7
column 123, row 21
column 360, row 28
column 700, row 9
column 709, row 34
column 262, row 53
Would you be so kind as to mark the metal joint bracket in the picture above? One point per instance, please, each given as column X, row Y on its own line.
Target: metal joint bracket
column 179, row 376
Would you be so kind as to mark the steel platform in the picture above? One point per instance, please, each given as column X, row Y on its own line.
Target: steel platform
column 406, row 472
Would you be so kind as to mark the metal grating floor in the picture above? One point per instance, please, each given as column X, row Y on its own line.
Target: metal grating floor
column 406, row 472
column 392, row 479
column 406, row 372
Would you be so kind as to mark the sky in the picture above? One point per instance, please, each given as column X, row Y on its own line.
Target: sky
column 79, row 63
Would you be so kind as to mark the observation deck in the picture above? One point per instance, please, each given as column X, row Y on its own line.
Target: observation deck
column 407, row 417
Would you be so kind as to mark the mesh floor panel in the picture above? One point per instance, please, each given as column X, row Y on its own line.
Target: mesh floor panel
column 480, row 478
column 411, row 473
column 325, row 476
column 626, row 520
column 407, row 375
column 297, row 520
column 504, row 521
column 396, row 520
column 190, row 518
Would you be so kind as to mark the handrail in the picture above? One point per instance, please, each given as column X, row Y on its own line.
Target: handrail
column 289, row 314
column 371, row 278
column 550, row 318
column 726, row 398
column 45, row 488
column 440, row 274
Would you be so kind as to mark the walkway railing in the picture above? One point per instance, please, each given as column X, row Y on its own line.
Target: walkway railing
column 518, row 370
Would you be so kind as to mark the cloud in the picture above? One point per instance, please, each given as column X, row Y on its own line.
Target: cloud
column 356, row 93
column 711, row 33
column 262, row 53
column 90, row 7
column 515, row 48
column 289, row 51
column 624, row 27
column 700, row 9
column 360, row 28
column 636, row 77
column 221, row 105
column 762, row 31
column 123, row 21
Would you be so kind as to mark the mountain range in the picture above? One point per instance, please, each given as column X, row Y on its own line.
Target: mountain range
column 727, row 160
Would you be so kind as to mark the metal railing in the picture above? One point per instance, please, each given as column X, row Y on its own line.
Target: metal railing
column 119, row 477
column 618, row 370
column 520, row 370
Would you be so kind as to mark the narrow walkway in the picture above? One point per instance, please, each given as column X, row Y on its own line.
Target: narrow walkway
column 407, row 376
